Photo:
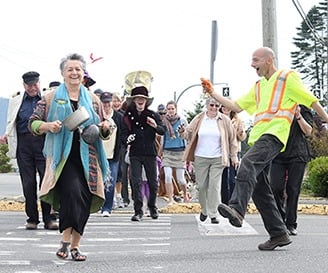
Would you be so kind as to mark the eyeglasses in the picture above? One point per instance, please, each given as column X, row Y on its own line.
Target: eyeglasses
column 216, row 105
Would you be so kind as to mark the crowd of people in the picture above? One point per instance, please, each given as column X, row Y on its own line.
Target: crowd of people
column 95, row 151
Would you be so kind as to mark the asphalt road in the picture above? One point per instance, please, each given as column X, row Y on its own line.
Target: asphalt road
column 175, row 243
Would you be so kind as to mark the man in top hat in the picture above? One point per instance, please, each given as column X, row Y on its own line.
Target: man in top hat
column 27, row 150
column 140, row 126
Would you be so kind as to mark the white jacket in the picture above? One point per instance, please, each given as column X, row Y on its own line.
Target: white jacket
column 11, row 131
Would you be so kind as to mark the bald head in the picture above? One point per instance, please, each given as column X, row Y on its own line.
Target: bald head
column 265, row 52
column 263, row 60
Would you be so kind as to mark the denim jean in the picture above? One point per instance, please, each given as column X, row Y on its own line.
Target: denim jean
column 109, row 192
column 252, row 181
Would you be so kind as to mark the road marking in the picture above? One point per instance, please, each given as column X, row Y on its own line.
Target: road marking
column 224, row 228
column 15, row 262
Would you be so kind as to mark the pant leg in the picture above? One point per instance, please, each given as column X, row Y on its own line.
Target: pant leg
column 293, row 188
column 231, row 179
column 265, row 203
column 224, row 186
column 124, row 169
column 136, row 180
column 201, row 169
column 277, row 176
column 150, row 165
column 109, row 192
column 27, row 170
column 258, row 157
column 214, row 186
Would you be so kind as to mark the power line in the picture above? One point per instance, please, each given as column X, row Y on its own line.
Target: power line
column 308, row 22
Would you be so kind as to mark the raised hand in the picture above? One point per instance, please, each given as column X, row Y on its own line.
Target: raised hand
column 207, row 86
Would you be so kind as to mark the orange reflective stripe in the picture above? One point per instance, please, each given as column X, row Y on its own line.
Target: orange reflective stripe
column 282, row 113
column 257, row 93
column 274, row 105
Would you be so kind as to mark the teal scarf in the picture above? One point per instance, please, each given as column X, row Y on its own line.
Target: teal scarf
column 58, row 146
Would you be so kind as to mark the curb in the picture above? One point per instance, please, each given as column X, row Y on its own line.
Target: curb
column 18, row 204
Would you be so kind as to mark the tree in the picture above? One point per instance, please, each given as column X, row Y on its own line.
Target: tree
column 199, row 107
column 311, row 60
column 5, row 166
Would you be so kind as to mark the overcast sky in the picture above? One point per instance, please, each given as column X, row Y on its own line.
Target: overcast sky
column 171, row 39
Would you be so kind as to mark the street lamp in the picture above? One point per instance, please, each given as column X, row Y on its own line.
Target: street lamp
column 176, row 99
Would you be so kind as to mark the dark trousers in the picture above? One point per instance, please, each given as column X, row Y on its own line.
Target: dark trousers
column 286, row 180
column 227, row 183
column 150, row 165
column 252, row 181
column 30, row 161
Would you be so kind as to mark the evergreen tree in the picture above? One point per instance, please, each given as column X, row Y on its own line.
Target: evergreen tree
column 311, row 58
column 199, row 107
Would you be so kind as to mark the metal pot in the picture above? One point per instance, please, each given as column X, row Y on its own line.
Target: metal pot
column 74, row 120
column 90, row 134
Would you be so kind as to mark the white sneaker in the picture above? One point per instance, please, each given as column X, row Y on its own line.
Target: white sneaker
column 105, row 213
column 119, row 202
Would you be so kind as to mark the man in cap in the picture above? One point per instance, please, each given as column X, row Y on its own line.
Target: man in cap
column 27, row 150
column 112, row 148
column 98, row 92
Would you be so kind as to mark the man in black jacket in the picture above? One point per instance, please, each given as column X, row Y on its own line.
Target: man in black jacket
column 287, row 169
column 139, row 130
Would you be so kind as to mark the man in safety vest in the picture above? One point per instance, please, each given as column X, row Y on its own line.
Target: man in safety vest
column 273, row 99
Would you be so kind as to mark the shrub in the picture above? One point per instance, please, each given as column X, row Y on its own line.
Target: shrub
column 5, row 166
column 318, row 176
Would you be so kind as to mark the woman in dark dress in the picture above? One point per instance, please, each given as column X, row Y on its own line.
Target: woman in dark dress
column 73, row 182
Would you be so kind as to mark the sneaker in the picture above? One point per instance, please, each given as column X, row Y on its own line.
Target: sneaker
column 292, row 231
column 271, row 244
column 214, row 220
column 177, row 199
column 153, row 213
column 31, row 226
column 119, row 202
column 105, row 213
column 202, row 217
column 136, row 218
column 52, row 225
column 234, row 216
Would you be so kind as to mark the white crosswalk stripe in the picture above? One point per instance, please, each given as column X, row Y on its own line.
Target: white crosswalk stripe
column 223, row 228
column 115, row 236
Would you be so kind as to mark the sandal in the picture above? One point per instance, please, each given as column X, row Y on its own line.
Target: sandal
column 77, row 256
column 62, row 252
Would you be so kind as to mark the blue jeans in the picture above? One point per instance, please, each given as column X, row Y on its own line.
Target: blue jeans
column 109, row 192
column 252, row 181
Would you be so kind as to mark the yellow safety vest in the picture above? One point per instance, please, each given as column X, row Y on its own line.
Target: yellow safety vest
column 274, row 109
column 274, row 103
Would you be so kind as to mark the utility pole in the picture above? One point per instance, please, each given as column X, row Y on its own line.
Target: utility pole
column 269, row 26
column 214, row 46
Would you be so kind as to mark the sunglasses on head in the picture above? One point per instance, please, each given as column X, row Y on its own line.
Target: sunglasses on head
column 216, row 105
